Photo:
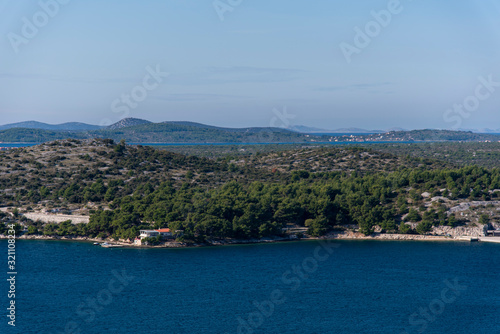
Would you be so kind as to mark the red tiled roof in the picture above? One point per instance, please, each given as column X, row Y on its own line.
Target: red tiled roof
column 163, row 230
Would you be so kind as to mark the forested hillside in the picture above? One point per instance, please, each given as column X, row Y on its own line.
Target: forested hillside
column 127, row 188
column 167, row 132
column 135, row 130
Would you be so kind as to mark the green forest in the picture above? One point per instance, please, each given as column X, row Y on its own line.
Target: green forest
column 321, row 202
column 135, row 187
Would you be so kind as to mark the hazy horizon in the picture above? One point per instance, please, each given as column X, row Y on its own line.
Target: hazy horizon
column 371, row 64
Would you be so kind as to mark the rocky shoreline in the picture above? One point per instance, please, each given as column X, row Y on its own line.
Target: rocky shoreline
column 334, row 236
column 385, row 236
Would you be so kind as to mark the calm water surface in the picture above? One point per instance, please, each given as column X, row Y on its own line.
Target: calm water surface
column 357, row 287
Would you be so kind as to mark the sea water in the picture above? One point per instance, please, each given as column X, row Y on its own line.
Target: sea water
column 289, row 287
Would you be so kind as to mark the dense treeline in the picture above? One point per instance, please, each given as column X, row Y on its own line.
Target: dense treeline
column 128, row 188
column 167, row 132
column 320, row 201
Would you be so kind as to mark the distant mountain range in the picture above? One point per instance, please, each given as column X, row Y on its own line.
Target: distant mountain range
column 127, row 122
column 141, row 131
column 72, row 126
column 135, row 130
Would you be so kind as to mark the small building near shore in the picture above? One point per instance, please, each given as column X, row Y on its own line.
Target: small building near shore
column 148, row 233
column 493, row 233
column 163, row 232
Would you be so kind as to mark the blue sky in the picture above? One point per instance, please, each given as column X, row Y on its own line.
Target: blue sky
column 264, row 56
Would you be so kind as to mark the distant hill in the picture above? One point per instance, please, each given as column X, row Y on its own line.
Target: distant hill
column 72, row 126
column 167, row 132
column 392, row 129
column 355, row 130
column 135, row 130
column 242, row 130
column 127, row 122
column 23, row 135
column 308, row 129
column 432, row 135
column 482, row 130
column 187, row 132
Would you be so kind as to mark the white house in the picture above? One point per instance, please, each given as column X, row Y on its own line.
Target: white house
column 148, row 233
column 164, row 232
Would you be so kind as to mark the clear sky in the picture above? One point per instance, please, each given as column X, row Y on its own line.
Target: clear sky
column 329, row 64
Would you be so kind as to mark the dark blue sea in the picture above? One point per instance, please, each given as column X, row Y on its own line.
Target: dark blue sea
column 296, row 287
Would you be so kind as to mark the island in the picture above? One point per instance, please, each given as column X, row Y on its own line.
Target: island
column 101, row 190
